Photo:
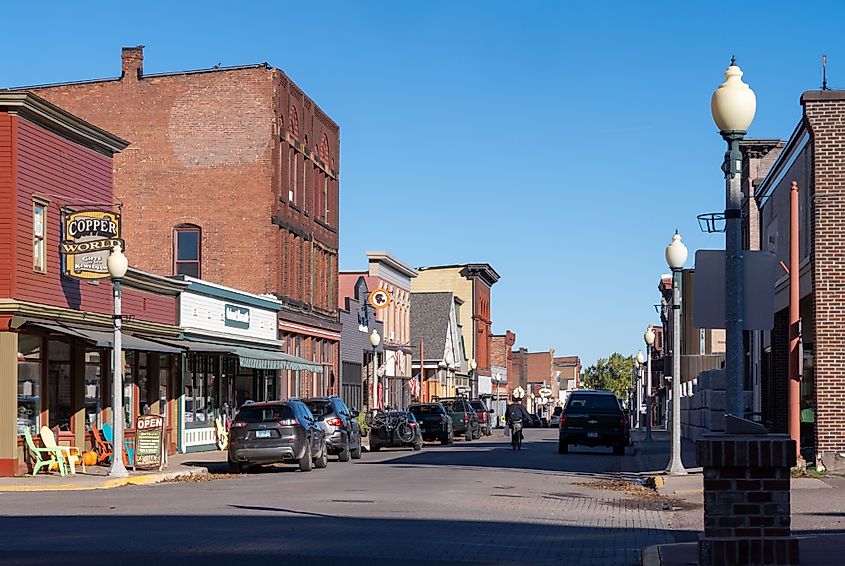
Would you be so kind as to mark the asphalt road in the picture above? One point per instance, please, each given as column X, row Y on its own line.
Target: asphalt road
column 471, row 503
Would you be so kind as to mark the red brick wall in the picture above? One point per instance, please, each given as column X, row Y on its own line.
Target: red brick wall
column 481, row 319
column 825, row 115
column 540, row 367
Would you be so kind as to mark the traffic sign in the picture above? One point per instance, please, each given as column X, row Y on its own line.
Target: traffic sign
column 545, row 392
column 379, row 298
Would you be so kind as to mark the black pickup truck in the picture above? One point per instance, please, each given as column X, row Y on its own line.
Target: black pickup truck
column 593, row 418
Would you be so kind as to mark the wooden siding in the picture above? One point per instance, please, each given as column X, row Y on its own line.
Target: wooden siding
column 7, row 196
column 56, row 169
column 143, row 305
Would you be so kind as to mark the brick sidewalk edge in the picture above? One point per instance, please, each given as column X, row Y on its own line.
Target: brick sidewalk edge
column 108, row 483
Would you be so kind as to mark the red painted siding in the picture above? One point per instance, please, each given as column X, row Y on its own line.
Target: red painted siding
column 63, row 172
column 7, row 199
column 147, row 306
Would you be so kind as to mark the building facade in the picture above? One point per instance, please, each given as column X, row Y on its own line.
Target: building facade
column 439, row 354
column 501, row 360
column 471, row 283
column 56, row 331
column 360, row 362
column 391, row 275
column 233, row 178
column 567, row 371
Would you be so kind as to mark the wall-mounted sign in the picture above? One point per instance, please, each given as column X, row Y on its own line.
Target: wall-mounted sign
column 236, row 317
column 88, row 237
column 149, row 441
column 545, row 392
column 379, row 298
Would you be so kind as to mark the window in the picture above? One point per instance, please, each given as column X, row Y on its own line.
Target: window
column 29, row 383
column 292, row 171
column 58, row 372
column 186, row 250
column 93, row 391
column 39, row 236
column 326, row 198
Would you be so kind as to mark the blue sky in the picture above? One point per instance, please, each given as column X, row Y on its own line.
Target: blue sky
column 562, row 143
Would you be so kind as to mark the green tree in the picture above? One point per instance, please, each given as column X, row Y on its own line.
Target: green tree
column 610, row 374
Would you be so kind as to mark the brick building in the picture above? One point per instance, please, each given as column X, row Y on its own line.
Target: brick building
column 501, row 366
column 813, row 157
column 471, row 283
column 568, row 375
column 232, row 177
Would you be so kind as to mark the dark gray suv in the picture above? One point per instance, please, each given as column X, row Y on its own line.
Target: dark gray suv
column 344, row 432
column 276, row 432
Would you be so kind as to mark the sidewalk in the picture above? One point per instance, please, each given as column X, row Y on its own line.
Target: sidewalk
column 651, row 459
column 96, row 477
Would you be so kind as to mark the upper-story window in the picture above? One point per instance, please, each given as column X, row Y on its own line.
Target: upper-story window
column 292, row 176
column 39, row 236
column 326, row 198
column 187, row 243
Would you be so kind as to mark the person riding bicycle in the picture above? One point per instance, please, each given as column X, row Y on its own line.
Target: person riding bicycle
column 516, row 416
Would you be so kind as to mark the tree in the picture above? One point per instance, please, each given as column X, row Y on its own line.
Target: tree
column 610, row 374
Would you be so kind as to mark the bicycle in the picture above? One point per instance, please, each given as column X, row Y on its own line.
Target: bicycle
column 390, row 422
column 516, row 434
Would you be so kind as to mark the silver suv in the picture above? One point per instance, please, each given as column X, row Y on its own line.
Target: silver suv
column 343, row 433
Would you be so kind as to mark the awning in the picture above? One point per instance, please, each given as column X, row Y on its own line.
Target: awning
column 104, row 339
column 270, row 359
column 255, row 358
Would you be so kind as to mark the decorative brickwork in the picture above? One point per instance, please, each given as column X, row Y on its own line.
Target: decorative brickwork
column 746, row 500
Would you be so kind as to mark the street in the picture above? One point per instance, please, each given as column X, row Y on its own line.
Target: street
column 474, row 503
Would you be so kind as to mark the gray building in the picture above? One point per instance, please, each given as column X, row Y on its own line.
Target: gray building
column 357, row 363
column 439, row 356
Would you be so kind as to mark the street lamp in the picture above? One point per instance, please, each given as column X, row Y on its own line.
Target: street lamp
column 640, row 362
column 648, row 336
column 375, row 340
column 676, row 255
column 733, row 106
column 473, row 378
column 117, row 265
column 447, row 363
column 498, row 398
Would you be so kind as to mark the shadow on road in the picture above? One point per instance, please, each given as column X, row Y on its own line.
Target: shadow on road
column 281, row 535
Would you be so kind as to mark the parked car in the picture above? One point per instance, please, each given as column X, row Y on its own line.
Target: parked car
column 485, row 423
column 464, row 419
column 400, row 430
column 435, row 423
column 535, row 420
column 555, row 421
column 593, row 418
column 276, row 432
column 544, row 422
column 343, row 433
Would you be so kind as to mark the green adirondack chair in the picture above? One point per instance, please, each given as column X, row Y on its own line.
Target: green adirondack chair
column 44, row 456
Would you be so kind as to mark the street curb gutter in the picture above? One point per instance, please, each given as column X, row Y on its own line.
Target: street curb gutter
column 651, row 556
column 109, row 483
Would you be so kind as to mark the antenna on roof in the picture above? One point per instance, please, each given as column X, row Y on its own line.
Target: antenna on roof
column 824, row 72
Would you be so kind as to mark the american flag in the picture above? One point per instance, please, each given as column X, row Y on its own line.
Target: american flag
column 414, row 386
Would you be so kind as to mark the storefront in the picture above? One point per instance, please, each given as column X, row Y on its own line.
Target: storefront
column 232, row 356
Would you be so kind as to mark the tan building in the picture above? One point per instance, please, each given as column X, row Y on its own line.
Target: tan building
column 567, row 371
column 471, row 283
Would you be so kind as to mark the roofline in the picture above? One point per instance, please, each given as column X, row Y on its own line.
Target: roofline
column 138, row 279
column 35, row 109
column 217, row 291
column 392, row 262
column 784, row 160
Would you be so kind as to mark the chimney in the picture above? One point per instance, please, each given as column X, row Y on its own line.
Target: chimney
column 133, row 62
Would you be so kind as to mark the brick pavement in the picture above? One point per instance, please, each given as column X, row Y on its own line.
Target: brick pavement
column 472, row 503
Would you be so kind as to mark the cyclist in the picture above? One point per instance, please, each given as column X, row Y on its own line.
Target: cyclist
column 516, row 416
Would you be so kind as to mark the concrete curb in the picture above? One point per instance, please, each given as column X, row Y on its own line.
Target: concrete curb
column 107, row 483
column 651, row 556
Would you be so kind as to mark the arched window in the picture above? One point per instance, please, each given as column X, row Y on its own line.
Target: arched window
column 187, row 250
column 293, row 121
column 324, row 150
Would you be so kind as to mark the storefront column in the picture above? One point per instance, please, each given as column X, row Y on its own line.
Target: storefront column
column 77, row 394
column 8, row 403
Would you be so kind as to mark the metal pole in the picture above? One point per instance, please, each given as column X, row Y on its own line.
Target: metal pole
column 117, row 469
column 648, row 395
column 374, row 385
column 637, row 398
column 794, row 321
column 676, row 465
column 734, row 292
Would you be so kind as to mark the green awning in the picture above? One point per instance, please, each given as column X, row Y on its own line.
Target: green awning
column 271, row 359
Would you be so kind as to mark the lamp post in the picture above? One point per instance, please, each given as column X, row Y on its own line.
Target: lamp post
column 635, row 385
column 733, row 106
column 498, row 399
column 447, row 363
column 473, row 379
column 117, row 265
column 676, row 255
column 648, row 337
column 640, row 362
column 375, row 340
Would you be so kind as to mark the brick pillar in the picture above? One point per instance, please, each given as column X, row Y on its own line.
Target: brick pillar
column 746, row 500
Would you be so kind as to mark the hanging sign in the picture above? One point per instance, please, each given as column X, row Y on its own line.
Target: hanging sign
column 149, row 441
column 379, row 298
column 88, row 237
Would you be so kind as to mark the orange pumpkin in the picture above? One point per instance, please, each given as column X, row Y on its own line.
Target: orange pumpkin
column 89, row 458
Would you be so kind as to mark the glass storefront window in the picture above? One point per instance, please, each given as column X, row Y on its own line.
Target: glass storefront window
column 129, row 388
column 58, row 376
column 163, row 381
column 143, row 384
column 29, row 383
column 93, row 389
